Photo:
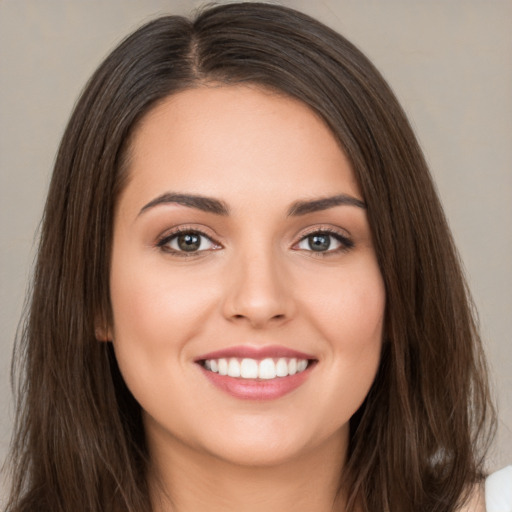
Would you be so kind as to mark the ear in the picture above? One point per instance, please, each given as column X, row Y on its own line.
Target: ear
column 102, row 330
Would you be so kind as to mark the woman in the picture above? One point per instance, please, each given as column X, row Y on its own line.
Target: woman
column 246, row 295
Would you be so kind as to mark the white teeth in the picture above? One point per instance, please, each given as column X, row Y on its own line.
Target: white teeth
column 292, row 367
column 267, row 369
column 302, row 364
column 248, row 368
column 234, row 368
column 223, row 367
column 282, row 367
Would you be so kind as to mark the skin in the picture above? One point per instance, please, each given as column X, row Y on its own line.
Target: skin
column 476, row 501
column 256, row 281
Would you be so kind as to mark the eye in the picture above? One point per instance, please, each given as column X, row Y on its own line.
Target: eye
column 325, row 242
column 189, row 241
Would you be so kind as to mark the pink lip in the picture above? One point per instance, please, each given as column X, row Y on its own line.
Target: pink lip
column 253, row 352
column 255, row 389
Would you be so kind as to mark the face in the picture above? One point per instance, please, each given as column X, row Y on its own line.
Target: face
column 247, row 301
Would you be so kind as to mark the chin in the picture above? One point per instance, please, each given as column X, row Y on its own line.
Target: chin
column 254, row 455
column 271, row 448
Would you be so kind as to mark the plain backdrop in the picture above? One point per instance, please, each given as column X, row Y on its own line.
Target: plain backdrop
column 449, row 62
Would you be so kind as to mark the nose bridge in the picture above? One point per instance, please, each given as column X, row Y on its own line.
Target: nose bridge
column 258, row 291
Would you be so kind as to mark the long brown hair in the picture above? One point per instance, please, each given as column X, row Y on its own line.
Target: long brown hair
column 417, row 442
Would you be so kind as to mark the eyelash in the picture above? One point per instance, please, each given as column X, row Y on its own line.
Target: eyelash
column 345, row 243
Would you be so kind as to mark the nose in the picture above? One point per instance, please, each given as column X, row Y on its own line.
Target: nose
column 259, row 292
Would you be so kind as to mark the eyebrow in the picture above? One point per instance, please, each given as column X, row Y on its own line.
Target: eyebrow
column 206, row 204
column 212, row 205
column 304, row 207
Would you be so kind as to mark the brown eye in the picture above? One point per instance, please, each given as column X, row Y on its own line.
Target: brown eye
column 187, row 242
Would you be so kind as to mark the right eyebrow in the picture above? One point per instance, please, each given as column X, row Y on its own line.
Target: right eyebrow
column 324, row 203
column 206, row 204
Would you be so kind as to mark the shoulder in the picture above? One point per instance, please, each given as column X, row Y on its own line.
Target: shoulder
column 498, row 491
column 493, row 496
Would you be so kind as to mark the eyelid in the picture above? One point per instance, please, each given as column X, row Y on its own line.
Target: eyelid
column 324, row 228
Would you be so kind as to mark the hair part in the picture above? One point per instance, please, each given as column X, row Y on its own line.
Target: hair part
column 417, row 442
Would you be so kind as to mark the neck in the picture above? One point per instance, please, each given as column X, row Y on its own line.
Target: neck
column 185, row 480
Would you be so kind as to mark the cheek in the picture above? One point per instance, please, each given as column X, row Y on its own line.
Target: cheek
column 156, row 314
column 152, row 305
column 348, row 306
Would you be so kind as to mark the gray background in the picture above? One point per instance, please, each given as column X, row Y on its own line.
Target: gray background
column 449, row 62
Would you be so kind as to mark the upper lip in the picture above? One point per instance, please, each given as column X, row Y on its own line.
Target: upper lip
column 253, row 352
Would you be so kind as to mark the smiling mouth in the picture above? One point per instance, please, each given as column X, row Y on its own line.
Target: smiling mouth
column 252, row 372
column 261, row 369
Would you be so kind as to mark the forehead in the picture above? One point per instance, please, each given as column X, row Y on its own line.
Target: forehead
column 226, row 140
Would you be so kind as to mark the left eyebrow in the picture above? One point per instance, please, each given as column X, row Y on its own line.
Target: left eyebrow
column 304, row 207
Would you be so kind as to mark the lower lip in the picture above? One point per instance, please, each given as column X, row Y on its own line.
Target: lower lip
column 255, row 389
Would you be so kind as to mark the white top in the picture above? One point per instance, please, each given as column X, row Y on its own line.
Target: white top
column 498, row 491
